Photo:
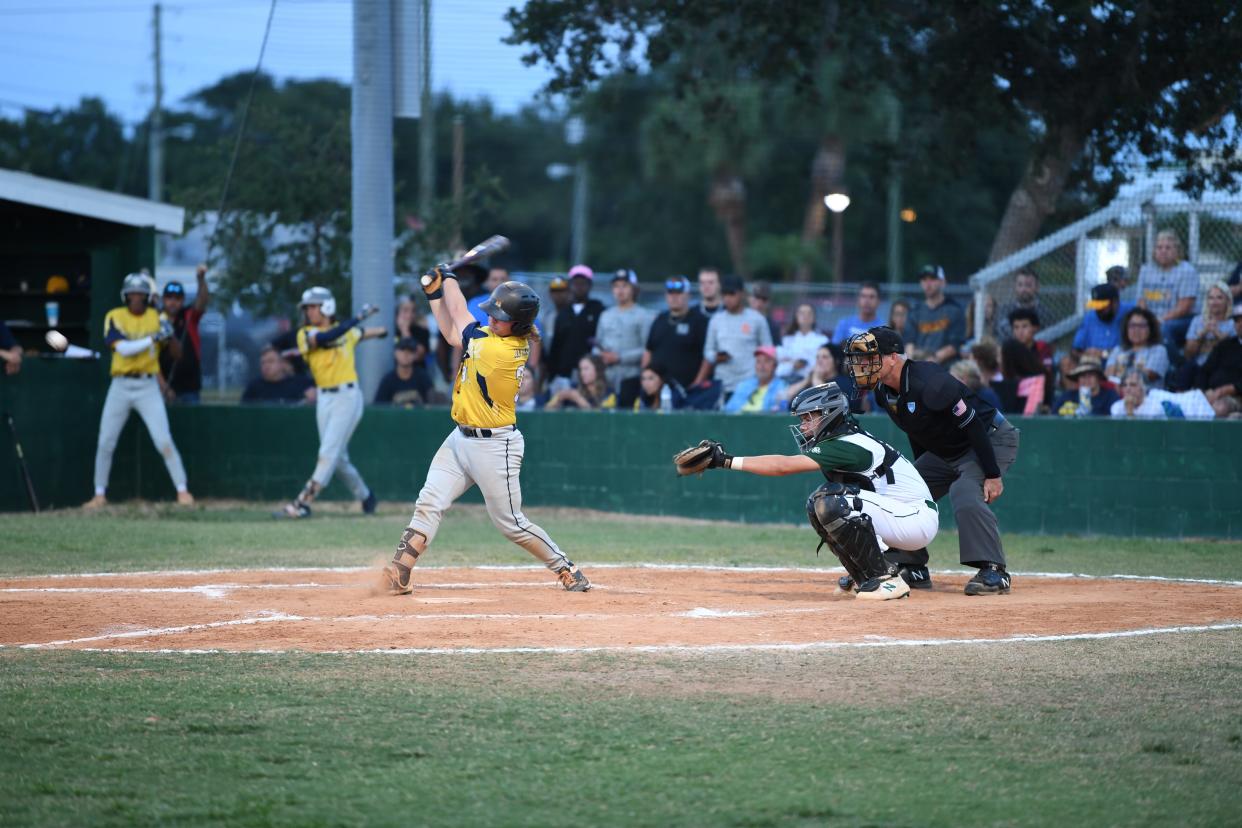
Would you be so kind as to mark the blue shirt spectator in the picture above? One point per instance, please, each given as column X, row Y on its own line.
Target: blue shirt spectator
column 1099, row 333
column 761, row 392
column 864, row 319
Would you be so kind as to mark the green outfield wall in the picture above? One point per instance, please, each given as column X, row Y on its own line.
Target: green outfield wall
column 1171, row 478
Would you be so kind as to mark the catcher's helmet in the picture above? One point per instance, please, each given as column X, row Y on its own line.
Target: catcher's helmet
column 514, row 302
column 827, row 400
column 864, row 354
column 137, row 283
column 320, row 296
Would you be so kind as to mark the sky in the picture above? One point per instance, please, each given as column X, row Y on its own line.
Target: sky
column 54, row 52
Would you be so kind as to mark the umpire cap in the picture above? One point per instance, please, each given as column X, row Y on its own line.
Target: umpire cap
column 514, row 302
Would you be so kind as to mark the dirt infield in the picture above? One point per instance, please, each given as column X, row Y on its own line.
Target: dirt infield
column 518, row 608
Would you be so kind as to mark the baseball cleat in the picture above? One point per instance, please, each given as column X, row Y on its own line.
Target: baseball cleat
column 185, row 499
column 572, row 579
column 918, row 577
column 398, row 579
column 368, row 505
column 886, row 588
column 293, row 510
column 991, row 579
column 96, row 502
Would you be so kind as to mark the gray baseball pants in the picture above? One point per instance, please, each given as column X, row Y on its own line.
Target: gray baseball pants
column 125, row 394
column 493, row 464
column 962, row 479
column 337, row 413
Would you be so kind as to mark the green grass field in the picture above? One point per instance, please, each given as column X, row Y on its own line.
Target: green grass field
column 1142, row 731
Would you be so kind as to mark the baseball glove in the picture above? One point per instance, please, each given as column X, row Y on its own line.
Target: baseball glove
column 708, row 454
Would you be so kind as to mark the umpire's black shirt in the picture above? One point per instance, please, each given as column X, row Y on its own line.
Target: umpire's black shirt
column 940, row 414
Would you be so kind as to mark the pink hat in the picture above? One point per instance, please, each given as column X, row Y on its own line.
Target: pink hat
column 766, row 350
column 582, row 270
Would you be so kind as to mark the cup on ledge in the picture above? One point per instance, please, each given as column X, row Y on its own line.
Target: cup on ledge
column 53, row 314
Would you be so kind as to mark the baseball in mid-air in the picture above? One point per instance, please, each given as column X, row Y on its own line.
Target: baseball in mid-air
column 57, row 340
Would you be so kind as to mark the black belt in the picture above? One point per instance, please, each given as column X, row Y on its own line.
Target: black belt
column 474, row 432
column 336, row 388
column 136, row 375
column 997, row 422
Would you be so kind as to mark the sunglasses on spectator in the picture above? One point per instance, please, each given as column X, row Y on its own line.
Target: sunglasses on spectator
column 675, row 286
column 1137, row 324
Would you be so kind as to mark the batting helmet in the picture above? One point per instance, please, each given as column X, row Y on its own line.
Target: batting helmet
column 320, row 296
column 830, row 402
column 514, row 302
column 137, row 283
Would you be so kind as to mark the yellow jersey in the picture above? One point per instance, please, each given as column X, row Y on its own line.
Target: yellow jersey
column 331, row 364
column 120, row 324
column 486, row 389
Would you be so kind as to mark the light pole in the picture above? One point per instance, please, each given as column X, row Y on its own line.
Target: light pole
column 575, row 132
column 837, row 202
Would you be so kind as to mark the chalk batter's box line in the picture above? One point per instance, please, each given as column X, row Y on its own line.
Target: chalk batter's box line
column 177, row 573
column 706, row 649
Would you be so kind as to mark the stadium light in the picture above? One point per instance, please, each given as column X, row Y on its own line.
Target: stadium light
column 837, row 202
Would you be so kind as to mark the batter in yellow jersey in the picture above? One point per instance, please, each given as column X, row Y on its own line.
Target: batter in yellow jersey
column 332, row 362
column 122, row 324
column 485, row 449
column 486, row 389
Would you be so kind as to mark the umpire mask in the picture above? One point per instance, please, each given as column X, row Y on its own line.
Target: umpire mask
column 865, row 352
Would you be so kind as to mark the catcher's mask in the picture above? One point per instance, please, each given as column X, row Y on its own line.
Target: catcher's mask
column 822, row 410
column 865, row 352
column 514, row 302
column 320, row 296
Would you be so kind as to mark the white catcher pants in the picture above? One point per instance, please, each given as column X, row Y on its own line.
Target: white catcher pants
column 337, row 414
column 898, row 524
column 494, row 465
column 126, row 394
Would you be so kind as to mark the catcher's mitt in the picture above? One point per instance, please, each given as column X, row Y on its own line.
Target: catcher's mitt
column 708, row 454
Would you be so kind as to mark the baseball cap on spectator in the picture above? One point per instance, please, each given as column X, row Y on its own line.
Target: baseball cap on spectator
column 559, row 283
column 624, row 275
column 931, row 272
column 887, row 340
column 1116, row 274
column 407, row 343
column 766, row 350
column 761, row 290
column 1102, row 296
column 1088, row 365
column 583, row 271
column 677, row 284
column 174, row 289
column 731, row 284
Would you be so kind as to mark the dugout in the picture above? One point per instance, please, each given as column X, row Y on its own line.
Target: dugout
column 90, row 239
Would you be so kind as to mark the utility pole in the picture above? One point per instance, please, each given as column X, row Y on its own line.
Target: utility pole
column 894, row 193
column 459, row 177
column 155, row 141
column 426, row 126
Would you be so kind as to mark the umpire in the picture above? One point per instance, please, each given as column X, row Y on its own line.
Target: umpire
column 961, row 446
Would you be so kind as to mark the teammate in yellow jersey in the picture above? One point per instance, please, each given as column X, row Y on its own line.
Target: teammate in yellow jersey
column 485, row 449
column 329, row 351
column 135, row 335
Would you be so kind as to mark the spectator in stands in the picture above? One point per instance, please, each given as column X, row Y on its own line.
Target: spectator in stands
column 181, row 362
column 802, row 339
column 1099, row 333
column 10, row 351
column 659, row 391
column 494, row 278
column 1235, row 284
column 762, row 391
column 1211, row 327
column 1118, row 277
column 967, row 373
column 1023, row 357
column 986, row 355
column 899, row 321
column 1092, row 398
column 558, row 292
column 1140, row 349
column 407, row 325
column 760, row 300
column 1220, row 376
column 675, row 341
column 827, row 369
column 277, row 383
column 732, row 338
column 865, row 318
column 939, row 322
column 1025, row 296
column 528, row 398
column 1139, row 400
column 575, row 329
column 591, row 391
column 621, row 337
column 709, row 290
column 407, row 385
column 1168, row 287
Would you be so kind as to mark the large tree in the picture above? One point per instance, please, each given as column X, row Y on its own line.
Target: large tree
column 1094, row 87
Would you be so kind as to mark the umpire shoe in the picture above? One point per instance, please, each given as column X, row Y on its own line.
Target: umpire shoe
column 991, row 579
column 572, row 579
column 885, row 588
column 918, row 577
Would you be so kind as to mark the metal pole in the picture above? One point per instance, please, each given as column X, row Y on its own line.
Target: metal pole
column 155, row 142
column 371, row 122
column 578, row 237
column 459, row 177
column 894, row 196
column 838, row 248
column 426, row 126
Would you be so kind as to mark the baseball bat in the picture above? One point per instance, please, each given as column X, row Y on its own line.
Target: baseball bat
column 21, row 461
column 488, row 247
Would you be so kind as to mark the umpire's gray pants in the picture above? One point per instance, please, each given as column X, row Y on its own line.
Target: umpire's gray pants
column 337, row 413
column 961, row 478
column 494, row 464
column 126, row 394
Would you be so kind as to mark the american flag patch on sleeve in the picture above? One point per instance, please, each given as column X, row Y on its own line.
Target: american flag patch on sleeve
column 960, row 408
